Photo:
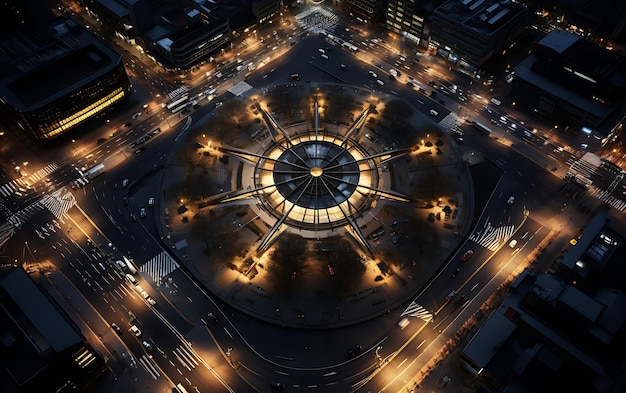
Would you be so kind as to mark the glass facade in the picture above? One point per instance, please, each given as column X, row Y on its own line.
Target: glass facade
column 68, row 111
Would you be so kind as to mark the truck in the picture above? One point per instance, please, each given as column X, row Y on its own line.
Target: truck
column 93, row 172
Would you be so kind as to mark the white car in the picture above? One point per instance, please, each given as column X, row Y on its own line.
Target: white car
column 433, row 112
column 510, row 200
column 373, row 74
column 136, row 115
column 135, row 330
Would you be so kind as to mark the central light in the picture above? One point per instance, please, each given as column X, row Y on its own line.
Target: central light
column 316, row 171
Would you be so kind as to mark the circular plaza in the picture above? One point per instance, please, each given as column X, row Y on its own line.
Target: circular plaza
column 315, row 206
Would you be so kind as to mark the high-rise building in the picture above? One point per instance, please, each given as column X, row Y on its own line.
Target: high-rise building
column 406, row 18
column 471, row 32
column 56, row 75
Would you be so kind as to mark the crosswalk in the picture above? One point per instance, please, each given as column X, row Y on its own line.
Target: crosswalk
column 586, row 166
column 451, row 121
column 187, row 358
column 317, row 19
column 416, row 310
column 15, row 221
column 10, row 188
column 150, row 368
column 177, row 92
column 58, row 202
column 606, row 197
column 159, row 266
column 491, row 237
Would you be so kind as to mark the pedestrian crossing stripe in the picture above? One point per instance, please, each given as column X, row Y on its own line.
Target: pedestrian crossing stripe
column 185, row 357
column 7, row 229
column 58, row 204
column 9, row 188
column 159, row 266
column 43, row 172
column 416, row 310
column 492, row 237
column 145, row 362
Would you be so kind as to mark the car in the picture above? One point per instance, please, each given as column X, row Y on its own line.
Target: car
column 125, row 183
column 136, row 115
column 103, row 268
column 433, row 112
column 140, row 150
column 133, row 218
column 468, row 254
column 455, row 272
column 276, row 385
column 510, row 200
column 450, row 295
column 295, row 77
column 147, row 345
column 218, row 104
column 151, row 202
column 372, row 74
column 142, row 212
column 379, row 65
column 135, row 330
column 151, row 301
column 324, row 56
column 404, row 322
column 343, row 67
column 212, row 318
column 380, row 82
column 513, row 243
column 354, row 351
column 117, row 329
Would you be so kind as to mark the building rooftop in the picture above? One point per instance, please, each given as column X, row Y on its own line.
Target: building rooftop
column 63, row 49
column 49, row 324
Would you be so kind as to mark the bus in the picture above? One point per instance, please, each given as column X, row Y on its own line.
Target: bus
column 178, row 101
column 481, row 127
column 181, row 106
column 349, row 46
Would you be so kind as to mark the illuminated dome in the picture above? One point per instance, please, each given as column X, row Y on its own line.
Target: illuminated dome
column 316, row 183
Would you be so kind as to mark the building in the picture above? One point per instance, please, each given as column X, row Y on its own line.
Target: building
column 406, row 17
column 366, row 11
column 56, row 76
column 572, row 81
column 181, row 41
column 42, row 349
column 564, row 331
column 264, row 10
column 471, row 32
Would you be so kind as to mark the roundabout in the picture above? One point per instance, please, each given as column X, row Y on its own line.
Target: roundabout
column 313, row 222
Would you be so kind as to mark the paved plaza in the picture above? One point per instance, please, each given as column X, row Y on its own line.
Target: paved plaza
column 316, row 206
